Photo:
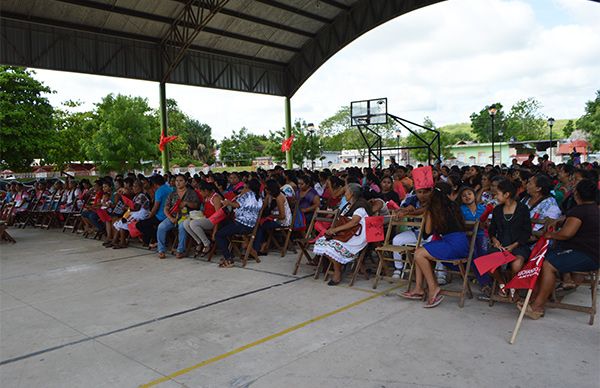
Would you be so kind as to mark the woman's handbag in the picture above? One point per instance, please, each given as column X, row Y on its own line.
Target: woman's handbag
column 345, row 235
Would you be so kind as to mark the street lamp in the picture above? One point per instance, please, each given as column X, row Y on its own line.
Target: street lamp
column 311, row 130
column 551, row 124
column 492, row 111
column 500, row 134
column 398, row 133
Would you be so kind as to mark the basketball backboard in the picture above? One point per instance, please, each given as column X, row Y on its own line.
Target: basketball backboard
column 368, row 112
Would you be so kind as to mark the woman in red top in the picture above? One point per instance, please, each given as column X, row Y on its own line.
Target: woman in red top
column 197, row 228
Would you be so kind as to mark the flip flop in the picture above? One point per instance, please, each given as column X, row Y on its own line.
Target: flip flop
column 227, row 264
column 438, row 299
column 411, row 295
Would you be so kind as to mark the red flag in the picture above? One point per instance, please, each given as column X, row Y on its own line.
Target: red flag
column 165, row 140
column 489, row 263
column 488, row 209
column 527, row 276
column 128, row 202
column 287, row 144
column 392, row 205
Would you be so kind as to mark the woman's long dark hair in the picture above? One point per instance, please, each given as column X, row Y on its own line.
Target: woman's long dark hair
column 254, row 186
column 441, row 208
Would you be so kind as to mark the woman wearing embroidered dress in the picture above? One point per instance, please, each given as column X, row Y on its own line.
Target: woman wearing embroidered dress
column 197, row 228
column 541, row 203
column 444, row 218
column 140, row 211
column 339, row 252
column 246, row 207
column 279, row 215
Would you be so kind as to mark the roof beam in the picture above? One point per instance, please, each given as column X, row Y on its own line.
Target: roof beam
column 336, row 4
column 166, row 20
column 264, row 22
column 128, row 35
column 295, row 10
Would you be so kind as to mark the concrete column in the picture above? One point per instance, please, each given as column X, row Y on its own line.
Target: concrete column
column 288, row 132
column 164, row 121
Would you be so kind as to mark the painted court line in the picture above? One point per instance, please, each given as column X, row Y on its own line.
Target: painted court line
column 263, row 340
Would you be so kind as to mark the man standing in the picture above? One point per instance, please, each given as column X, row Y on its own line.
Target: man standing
column 149, row 226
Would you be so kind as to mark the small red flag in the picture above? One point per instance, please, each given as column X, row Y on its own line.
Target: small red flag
column 165, row 140
column 287, row 144
column 528, row 275
column 128, row 202
column 489, row 263
column 423, row 177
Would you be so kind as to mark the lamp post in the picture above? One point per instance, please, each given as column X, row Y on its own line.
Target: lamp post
column 500, row 134
column 398, row 133
column 311, row 130
column 551, row 124
column 492, row 111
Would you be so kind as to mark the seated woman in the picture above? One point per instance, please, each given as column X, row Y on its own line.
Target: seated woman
column 139, row 212
column 334, row 192
column 308, row 199
column 213, row 201
column 387, row 191
column 540, row 201
column 339, row 252
column 180, row 201
column 278, row 214
column 510, row 230
column 443, row 218
column 576, row 249
column 246, row 207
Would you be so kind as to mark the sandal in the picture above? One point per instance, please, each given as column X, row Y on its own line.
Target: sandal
column 152, row 246
column 530, row 312
column 119, row 246
column 411, row 295
column 180, row 255
column 226, row 264
column 161, row 255
column 333, row 282
column 437, row 299
column 205, row 251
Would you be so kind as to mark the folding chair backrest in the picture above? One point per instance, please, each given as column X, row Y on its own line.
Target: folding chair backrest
column 472, row 229
column 412, row 222
column 321, row 215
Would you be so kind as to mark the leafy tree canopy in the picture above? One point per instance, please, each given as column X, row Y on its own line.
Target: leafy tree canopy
column 590, row 121
column 25, row 118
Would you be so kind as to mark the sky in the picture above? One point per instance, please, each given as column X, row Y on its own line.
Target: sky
column 444, row 61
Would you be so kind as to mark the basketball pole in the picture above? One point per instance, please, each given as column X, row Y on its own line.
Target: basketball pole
column 288, row 132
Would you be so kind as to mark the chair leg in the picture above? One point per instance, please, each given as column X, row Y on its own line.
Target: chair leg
column 299, row 259
column 465, row 287
column 286, row 243
column 594, row 288
column 379, row 268
column 358, row 264
column 492, row 293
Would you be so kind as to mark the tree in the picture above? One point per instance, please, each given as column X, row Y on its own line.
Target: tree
column 590, row 121
column 481, row 123
column 524, row 121
column 71, row 127
column 25, row 118
column 242, row 147
column 126, row 134
column 569, row 128
column 304, row 148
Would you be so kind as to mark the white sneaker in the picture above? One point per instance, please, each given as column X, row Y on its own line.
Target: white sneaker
column 396, row 274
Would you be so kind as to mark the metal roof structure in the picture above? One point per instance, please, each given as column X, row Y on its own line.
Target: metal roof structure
column 259, row 46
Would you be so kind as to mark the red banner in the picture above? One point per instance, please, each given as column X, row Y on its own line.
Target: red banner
column 527, row 276
column 165, row 140
column 287, row 144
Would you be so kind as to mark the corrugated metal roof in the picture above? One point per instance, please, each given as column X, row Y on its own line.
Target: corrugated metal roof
column 268, row 46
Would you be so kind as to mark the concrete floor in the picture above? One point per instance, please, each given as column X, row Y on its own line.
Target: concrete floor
column 74, row 314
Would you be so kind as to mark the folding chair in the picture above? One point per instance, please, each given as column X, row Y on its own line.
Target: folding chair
column 4, row 235
column 73, row 219
column 7, row 210
column 50, row 215
column 238, row 241
column 464, row 266
column 285, row 232
column 386, row 251
column 308, row 240
column 27, row 216
column 355, row 268
column 591, row 310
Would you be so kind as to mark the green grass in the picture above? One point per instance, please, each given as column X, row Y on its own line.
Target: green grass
column 557, row 130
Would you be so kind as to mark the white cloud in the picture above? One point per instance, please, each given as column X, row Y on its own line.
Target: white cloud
column 444, row 61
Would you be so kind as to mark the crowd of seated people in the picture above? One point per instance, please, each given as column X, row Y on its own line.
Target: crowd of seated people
column 205, row 210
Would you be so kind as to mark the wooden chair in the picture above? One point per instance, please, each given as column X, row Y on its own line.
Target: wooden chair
column 464, row 266
column 355, row 267
column 24, row 218
column 73, row 219
column 387, row 250
column 310, row 235
column 7, row 210
column 285, row 232
column 50, row 216
column 592, row 279
column 239, row 241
